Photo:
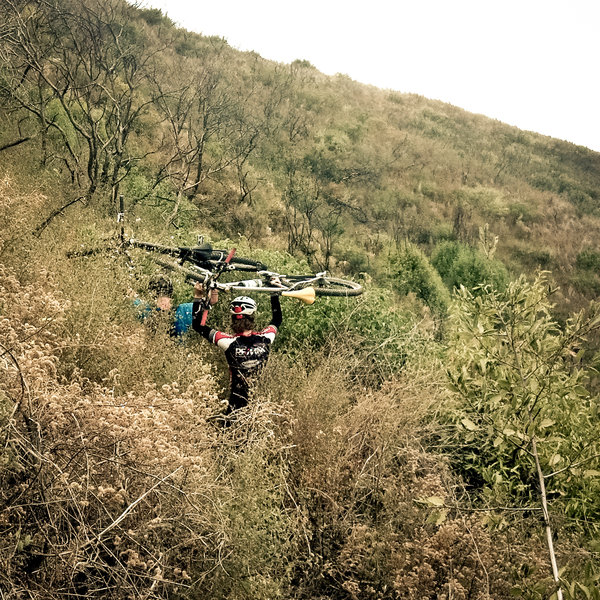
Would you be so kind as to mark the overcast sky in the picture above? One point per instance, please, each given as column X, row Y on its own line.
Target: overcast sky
column 530, row 63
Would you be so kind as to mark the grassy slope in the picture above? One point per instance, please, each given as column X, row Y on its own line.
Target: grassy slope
column 329, row 466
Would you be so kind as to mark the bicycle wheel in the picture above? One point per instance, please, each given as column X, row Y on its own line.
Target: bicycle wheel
column 237, row 262
column 326, row 286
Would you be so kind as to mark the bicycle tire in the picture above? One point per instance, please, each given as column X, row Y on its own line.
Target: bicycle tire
column 237, row 263
column 205, row 257
column 327, row 286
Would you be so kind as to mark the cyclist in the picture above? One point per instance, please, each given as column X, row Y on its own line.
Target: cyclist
column 246, row 351
column 160, row 290
column 182, row 322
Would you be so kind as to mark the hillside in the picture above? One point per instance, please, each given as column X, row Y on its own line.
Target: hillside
column 322, row 167
column 428, row 439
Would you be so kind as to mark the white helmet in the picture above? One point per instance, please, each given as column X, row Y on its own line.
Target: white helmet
column 242, row 306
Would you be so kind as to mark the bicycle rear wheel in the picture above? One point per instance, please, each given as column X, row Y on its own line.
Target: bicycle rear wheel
column 202, row 256
column 191, row 273
column 326, row 286
column 237, row 263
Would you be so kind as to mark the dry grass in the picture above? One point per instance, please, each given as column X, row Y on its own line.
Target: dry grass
column 116, row 483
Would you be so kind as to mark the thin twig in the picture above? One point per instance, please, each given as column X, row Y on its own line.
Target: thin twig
column 572, row 466
column 131, row 507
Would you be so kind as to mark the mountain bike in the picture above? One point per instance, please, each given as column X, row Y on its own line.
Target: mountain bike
column 206, row 265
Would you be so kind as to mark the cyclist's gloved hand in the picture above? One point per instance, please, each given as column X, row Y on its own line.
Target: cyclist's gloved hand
column 198, row 290
column 200, row 293
column 275, row 282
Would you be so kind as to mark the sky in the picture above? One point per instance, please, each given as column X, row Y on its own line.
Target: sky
column 534, row 64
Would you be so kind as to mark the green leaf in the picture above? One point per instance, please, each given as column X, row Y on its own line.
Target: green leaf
column 437, row 517
column 581, row 391
column 584, row 589
column 468, row 424
column 591, row 473
column 547, row 423
column 435, row 501
column 555, row 459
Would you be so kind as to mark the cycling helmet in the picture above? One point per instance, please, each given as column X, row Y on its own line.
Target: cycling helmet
column 242, row 306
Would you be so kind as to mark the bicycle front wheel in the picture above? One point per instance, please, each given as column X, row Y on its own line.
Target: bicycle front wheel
column 326, row 286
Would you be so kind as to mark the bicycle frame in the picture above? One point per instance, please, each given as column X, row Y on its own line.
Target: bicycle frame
column 284, row 286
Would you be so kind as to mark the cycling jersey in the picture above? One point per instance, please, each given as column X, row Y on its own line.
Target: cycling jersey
column 157, row 319
column 183, row 319
column 246, row 353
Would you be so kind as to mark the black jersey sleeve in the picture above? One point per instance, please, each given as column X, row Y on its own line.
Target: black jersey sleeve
column 277, row 316
column 203, row 330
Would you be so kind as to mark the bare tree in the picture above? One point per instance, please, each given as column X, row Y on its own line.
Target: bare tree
column 87, row 69
column 206, row 129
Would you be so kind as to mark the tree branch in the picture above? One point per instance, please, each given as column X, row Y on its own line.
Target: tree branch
column 16, row 143
column 40, row 228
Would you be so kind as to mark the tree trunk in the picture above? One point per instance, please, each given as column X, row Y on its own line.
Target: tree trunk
column 548, row 528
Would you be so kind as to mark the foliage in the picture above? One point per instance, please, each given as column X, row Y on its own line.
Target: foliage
column 373, row 527
column 462, row 265
column 411, row 272
column 100, row 477
column 82, row 460
column 588, row 260
column 18, row 212
column 522, row 409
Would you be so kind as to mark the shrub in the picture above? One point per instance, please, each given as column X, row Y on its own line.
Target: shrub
column 19, row 216
column 459, row 264
column 522, row 408
column 413, row 273
column 586, row 282
column 373, row 500
column 98, row 484
column 320, row 488
column 130, row 493
column 535, row 258
column 153, row 16
column 588, row 260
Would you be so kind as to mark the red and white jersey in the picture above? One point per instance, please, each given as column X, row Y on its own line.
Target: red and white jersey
column 246, row 355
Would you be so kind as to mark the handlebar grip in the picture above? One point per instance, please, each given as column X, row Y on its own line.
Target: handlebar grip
column 204, row 316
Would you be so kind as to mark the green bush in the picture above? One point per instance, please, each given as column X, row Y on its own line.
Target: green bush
column 535, row 258
column 588, row 260
column 586, row 282
column 519, row 380
column 520, row 212
column 459, row 264
column 413, row 273
column 375, row 328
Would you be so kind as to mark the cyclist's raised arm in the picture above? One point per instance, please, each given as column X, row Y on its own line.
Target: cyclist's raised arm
column 277, row 316
column 198, row 309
